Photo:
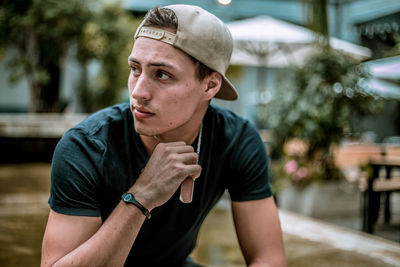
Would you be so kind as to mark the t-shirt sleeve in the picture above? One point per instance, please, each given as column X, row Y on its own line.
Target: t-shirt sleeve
column 250, row 164
column 75, row 175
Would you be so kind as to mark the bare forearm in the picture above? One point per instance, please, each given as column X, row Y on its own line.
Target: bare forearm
column 259, row 232
column 95, row 244
column 111, row 244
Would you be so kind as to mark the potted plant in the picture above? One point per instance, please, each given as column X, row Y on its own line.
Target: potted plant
column 310, row 113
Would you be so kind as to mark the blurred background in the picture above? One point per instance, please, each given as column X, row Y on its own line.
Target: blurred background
column 319, row 78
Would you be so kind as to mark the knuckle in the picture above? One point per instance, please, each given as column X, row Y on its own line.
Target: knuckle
column 167, row 148
column 159, row 147
column 173, row 157
column 178, row 167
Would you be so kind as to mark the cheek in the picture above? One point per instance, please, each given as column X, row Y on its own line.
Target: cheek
column 130, row 83
column 180, row 110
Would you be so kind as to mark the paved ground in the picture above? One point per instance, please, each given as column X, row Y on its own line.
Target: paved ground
column 308, row 242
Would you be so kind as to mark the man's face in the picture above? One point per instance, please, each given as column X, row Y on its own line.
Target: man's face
column 164, row 93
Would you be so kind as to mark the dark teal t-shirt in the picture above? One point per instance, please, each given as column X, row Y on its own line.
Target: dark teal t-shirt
column 99, row 159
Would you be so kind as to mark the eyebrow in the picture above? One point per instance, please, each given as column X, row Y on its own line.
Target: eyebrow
column 154, row 64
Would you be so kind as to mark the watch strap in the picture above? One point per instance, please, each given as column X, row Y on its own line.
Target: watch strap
column 129, row 198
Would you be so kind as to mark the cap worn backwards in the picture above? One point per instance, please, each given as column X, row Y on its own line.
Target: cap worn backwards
column 201, row 35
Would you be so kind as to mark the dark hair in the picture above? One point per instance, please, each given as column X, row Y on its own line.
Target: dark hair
column 166, row 18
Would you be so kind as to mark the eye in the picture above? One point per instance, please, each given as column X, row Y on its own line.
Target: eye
column 134, row 70
column 162, row 75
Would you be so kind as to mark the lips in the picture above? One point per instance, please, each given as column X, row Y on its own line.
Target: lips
column 142, row 113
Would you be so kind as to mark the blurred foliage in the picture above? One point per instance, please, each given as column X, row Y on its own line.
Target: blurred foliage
column 234, row 72
column 298, row 172
column 316, row 14
column 42, row 32
column 395, row 51
column 316, row 19
column 108, row 38
column 316, row 106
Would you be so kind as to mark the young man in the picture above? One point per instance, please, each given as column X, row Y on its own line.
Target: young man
column 134, row 161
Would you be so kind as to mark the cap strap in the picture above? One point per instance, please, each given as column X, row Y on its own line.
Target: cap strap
column 158, row 34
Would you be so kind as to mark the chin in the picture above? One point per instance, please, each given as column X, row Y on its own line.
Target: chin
column 146, row 130
column 143, row 130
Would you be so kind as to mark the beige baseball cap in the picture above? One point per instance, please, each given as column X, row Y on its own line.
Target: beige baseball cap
column 201, row 35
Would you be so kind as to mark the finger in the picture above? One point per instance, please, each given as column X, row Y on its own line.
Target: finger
column 178, row 143
column 192, row 171
column 189, row 158
column 176, row 147
column 195, row 176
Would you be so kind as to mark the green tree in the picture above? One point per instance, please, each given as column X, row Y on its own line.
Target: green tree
column 42, row 32
column 317, row 105
column 109, row 44
column 316, row 14
column 395, row 51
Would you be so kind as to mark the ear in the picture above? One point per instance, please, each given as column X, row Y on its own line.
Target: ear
column 213, row 84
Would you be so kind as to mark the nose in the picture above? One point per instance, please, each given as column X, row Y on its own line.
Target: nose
column 140, row 87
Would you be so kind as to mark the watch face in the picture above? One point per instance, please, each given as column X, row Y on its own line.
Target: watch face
column 127, row 197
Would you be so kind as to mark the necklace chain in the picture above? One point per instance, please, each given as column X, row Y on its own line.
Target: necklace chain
column 199, row 141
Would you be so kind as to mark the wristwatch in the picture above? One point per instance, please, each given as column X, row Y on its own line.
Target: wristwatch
column 129, row 198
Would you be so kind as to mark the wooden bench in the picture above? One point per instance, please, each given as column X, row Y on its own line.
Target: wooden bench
column 382, row 185
column 383, row 180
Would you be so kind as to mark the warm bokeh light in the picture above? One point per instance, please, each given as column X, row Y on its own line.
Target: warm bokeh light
column 224, row 2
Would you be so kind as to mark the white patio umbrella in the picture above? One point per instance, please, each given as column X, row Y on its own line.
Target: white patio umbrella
column 385, row 77
column 385, row 68
column 266, row 41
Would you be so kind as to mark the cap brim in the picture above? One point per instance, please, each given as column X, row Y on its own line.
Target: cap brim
column 227, row 91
